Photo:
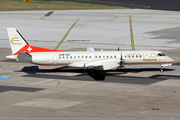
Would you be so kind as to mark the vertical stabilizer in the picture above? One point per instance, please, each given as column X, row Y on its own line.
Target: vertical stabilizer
column 16, row 40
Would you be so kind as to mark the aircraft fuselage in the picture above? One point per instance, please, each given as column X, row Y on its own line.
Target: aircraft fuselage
column 81, row 59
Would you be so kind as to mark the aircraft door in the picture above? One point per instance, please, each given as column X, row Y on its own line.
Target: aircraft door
column 54, row 60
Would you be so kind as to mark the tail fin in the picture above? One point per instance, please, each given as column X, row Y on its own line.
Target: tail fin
column 16, row 40
column 19, row 44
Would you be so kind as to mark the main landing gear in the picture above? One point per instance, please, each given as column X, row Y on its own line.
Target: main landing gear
column 91, row 72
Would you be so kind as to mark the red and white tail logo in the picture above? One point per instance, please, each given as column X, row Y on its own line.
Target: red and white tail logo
column 30, row 49
column 19, row 44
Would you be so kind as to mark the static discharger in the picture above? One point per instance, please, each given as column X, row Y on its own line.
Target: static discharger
column 132, row 39
column 66, row 35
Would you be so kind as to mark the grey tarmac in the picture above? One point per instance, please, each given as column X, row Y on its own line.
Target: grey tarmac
column 39, row 92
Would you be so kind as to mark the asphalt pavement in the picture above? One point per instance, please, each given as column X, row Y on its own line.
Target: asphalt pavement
column 140, row 4
column 30, row 92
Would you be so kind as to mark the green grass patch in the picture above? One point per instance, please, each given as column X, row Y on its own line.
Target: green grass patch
column 20, row 5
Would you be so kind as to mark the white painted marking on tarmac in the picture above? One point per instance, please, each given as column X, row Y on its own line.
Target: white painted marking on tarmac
column 48, row 103
column 144, row 111
column 41, row 82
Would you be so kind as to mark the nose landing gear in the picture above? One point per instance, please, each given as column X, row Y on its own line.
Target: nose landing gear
column 161, row 70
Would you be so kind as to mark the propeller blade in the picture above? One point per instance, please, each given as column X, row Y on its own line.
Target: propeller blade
column 121, row 60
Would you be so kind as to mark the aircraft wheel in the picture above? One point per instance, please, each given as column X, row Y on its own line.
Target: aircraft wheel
column 91, row 72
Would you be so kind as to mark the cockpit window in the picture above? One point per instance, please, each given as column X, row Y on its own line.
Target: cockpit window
column 161, row 54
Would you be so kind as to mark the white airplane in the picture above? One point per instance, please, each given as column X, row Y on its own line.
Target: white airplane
column 90, row 59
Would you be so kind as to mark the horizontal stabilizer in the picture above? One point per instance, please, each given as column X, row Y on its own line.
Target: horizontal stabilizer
column 11, row 57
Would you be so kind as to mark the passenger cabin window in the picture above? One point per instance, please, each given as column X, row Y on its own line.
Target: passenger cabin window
column 115, row 56
column 99, row 56
column 74, row 56
column 78, row 56
column 86, row 57
column 89, row 56
column 132, row 56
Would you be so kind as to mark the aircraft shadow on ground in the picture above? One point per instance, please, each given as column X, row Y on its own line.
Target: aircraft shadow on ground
column 117, row 76
column 176, row 64
column 4, row 88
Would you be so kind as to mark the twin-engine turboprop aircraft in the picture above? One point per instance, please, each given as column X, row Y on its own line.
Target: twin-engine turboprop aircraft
column 91, row 59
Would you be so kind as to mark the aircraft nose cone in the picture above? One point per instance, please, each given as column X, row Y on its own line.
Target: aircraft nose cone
column 171, row 60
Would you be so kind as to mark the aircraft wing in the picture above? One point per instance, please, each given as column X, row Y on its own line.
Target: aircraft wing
column 77, row 64
column 98, row 64
column 105, row 64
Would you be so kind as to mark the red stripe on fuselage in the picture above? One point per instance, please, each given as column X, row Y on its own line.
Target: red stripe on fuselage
column 31, row 49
